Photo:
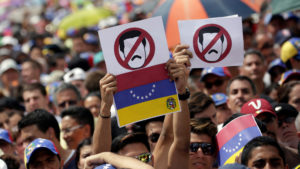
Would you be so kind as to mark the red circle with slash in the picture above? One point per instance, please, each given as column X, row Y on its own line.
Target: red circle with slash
column 211, row 43
column 144, row 34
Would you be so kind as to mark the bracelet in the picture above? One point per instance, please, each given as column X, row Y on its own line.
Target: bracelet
column 104, row 117
column 184, row 96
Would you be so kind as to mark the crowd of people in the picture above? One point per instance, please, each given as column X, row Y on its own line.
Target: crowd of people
column 56, row 102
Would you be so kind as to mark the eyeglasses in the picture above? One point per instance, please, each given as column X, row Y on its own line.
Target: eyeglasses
column 206, row 148
column 154, row 137
column 70, row 102
column 71, row 129
column 216, row 83
column 144, row 157
column 285, row 120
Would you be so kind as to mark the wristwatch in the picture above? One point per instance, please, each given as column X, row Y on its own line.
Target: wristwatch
column 184, row 96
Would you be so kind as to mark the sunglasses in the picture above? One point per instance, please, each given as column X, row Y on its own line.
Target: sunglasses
column 287, row 120
column 144, row 157
column 216, row 83
column 154, row 137
column 206, row 148
column 70, row 102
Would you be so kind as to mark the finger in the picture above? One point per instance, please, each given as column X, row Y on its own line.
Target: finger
column 169, row 62
column 180, row 47
column 184, row 61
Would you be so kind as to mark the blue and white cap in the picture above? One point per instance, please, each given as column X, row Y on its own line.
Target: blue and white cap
column 105, row 166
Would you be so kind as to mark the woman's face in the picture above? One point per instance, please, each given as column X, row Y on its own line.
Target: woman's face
column 294, row 97
column 85, row 151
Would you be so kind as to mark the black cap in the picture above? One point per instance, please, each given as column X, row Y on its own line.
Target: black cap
column 285, row 109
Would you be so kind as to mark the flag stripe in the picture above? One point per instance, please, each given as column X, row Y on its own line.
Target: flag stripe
column 245, row 121
column 141, row 77
column 147, row 109
column 236, row 143
column 144, row 93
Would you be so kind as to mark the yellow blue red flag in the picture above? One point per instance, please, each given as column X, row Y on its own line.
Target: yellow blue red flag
column 234, row 136
column 145, row 93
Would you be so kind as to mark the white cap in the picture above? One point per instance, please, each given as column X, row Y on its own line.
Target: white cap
column 8, row 40
column 74, row 74
column 8, row 64
column 3, row 164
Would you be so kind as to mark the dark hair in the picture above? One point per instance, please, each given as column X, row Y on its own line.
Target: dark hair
column 254, row 52
column 42, row 119
column 198, row 103
column 34, row 86
column 204, row 126
column 130, row 34
column 144, row 123
column 122, row 140
column 34, row 64
column 241, row 78
column 209, row 29
column 82, row 116
column 259, row 142
column 94, row 93
column 85, row 142
column 11, row 161
column 10, row 103
column 91, row 82
column 66, row 86
column 284, row 91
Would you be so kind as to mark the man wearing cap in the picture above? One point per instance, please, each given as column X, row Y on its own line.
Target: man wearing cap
column 287, row 132
column 76, row 77
column 9, row 75
column 290, row 53
column 215, row 79
column 262, row 109
column 6, row 144
column 254, row 68
column 290, row 75
column 222, row 110
column 42, row 153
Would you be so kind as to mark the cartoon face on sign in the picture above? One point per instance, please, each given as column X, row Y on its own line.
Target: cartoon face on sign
column 212, row 43
column 128, row 41
column 206, row 36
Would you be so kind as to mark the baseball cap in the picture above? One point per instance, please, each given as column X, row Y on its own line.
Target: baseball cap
column 8, row 40
column 8, row 64
column 74, row 74
column 105, row 166
column 290, row 49
column 3, row 164
column 5, row 135
column 218, row 71
column 219, row 98
column 285, row 109
column 276, row 63
column 288, row 75
column 38, row 144
column 257, row 107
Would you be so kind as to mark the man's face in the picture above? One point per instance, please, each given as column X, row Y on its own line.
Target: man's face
column 223, row 113
column 153, row 129
column 287, row 132
column 209, row 112
column 214, row 84
column 198, row 160
column 73, row 132
column 266, row 157
column 79, row 45
column 44, row 159
column 215, row 52
column 30, row 133
column 6, row 147
column 139, row 56
column 65, row 99
column 240, row 92
column 34, row 100
column 85, row 151
column 133, row 150
column 294, row 97
column 253, row 67
column 80, row 86
column 10, row 78
column 93, row 103
column 29, row 74
column 271, row 123
column 4, row 120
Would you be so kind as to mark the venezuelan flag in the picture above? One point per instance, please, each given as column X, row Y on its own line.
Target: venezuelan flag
column 145, row 93
column 234, row 136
